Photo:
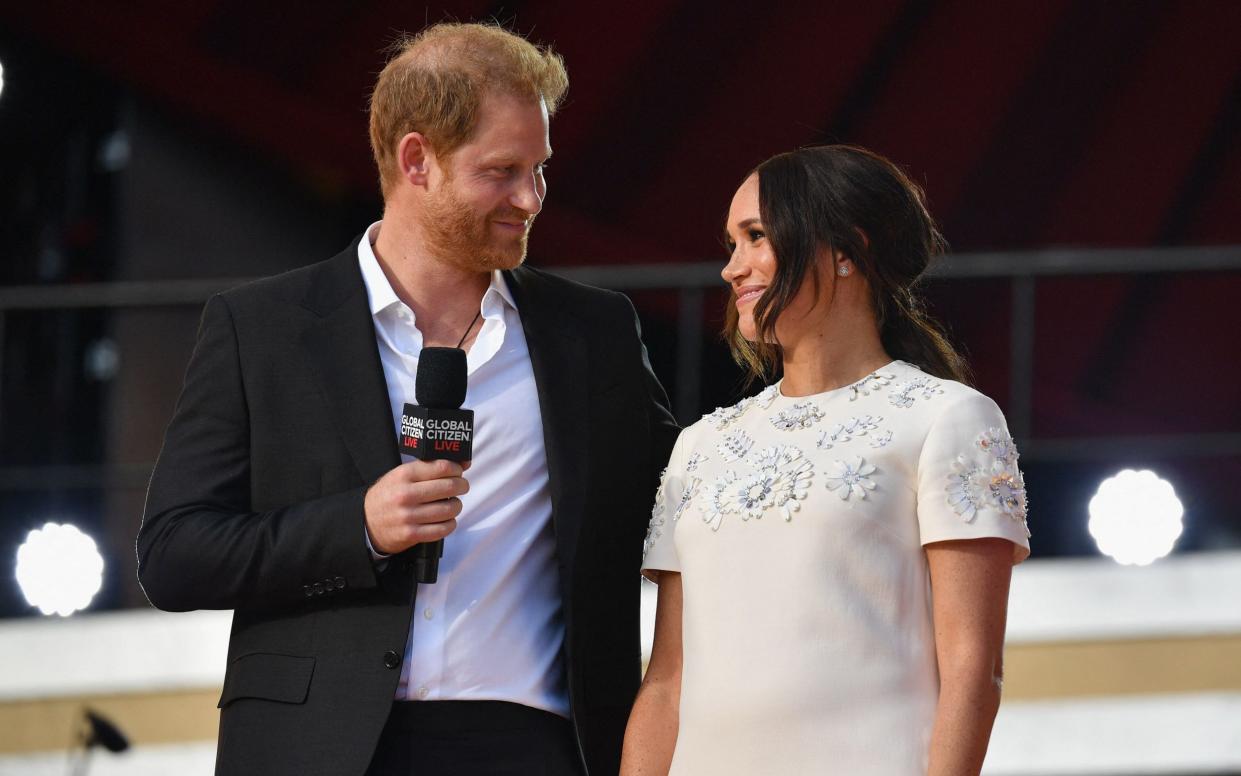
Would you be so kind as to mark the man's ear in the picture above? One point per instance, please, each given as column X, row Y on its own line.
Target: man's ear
column 414, row 158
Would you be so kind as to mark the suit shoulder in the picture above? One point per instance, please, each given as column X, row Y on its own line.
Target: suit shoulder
column 288, row 286
column 582, row 298
column 317, row 284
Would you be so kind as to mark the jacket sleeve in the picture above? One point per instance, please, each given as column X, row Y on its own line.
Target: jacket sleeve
column 201, row 545
column 664, row 429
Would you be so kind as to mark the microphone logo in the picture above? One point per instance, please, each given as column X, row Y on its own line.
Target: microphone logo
column 429, row 433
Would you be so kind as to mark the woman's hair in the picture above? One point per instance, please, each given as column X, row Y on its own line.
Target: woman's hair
column 847, row 199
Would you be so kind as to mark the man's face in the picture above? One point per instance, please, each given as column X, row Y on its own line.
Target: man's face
column 479, row 212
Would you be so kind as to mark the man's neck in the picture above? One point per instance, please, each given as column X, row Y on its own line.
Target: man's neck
column 444, row 297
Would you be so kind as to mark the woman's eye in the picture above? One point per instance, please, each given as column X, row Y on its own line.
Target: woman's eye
column 755, row 235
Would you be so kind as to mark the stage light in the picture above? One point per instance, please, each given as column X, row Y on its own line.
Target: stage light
column 1, row 78
column 59, row 569
column 1135, row 517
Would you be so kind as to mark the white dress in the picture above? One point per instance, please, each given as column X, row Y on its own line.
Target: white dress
column 797, row 525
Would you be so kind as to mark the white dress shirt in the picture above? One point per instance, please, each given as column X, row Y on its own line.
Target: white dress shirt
column 491, row 627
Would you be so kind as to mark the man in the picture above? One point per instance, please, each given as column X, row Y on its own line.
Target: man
column 280, row 493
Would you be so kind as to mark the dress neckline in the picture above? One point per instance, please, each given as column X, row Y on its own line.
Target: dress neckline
column 781, row 396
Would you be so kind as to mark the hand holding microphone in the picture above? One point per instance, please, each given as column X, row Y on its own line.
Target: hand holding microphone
column 416, row 504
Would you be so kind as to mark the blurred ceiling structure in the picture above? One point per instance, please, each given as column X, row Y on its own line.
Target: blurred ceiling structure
column 1030, row 124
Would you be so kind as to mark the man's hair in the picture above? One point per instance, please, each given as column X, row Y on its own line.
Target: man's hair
column 435, row 81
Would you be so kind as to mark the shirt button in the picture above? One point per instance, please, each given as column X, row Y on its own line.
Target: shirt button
column 428, row 613
column 423, row 692
column 391, row 659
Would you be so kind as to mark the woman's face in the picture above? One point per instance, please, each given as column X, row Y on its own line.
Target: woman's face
column 751, row 268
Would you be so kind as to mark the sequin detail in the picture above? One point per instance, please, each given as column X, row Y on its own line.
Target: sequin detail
column 735, row 446
column 988, row 478
column 850, row 478
column 800, row 416
column 687, row 496
column 695, row 459
column 903, row 395
column 654, row 529
column 780, row 480
column 844, row 432
column 868, row 384
column 723, row 417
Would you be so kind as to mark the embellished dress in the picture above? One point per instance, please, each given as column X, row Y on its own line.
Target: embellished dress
column 798, row 525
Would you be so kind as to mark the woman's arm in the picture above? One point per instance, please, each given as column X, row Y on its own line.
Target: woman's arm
column 969, row 594
column 652, row 731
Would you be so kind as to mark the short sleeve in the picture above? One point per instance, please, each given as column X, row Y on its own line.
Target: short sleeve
column 659, row 552
column 969, row 485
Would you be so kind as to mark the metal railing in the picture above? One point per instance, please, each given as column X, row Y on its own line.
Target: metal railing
column 692, row 281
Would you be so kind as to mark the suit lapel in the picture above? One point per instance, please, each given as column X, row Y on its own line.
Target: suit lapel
column 558, row 356
column 340, row 346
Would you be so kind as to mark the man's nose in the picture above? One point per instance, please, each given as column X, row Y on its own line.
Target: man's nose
column 529, row 195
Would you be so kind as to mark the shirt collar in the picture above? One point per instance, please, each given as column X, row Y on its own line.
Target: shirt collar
column 381, row 296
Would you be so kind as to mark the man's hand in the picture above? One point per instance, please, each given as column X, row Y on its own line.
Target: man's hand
column 415, row 502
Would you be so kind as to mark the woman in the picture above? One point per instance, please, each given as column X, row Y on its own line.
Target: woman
column 833, row 555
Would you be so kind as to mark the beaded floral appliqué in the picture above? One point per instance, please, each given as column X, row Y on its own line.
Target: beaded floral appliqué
column 800, row 416
column 735, row 446
column 780, row 480
column 844, row 432
column 850, row 478
column 654, row 529
column 723, row 417
column 695, row 459
column 687, row 495
column 904, row 394
column 868, row 384
column 991, row 480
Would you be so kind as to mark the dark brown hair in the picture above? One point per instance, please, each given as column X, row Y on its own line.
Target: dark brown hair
column 847, row 199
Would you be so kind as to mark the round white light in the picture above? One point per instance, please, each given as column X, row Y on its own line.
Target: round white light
column 59, row 569
column 1135, row 517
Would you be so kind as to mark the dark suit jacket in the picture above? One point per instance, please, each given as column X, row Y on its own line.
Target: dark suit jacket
column 256, row 502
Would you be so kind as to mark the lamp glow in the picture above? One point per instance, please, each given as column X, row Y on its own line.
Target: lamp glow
column 1, row 78
column 1135, row 517
column 59, row 569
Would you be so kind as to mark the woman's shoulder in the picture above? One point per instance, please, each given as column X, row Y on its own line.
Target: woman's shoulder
column 909, row 387
column 720, row 420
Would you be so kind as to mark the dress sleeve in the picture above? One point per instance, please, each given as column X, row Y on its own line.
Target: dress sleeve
column 659, row 551
column 969, row 486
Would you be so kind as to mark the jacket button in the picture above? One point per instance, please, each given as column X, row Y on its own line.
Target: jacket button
column 340, row 583
column 318, row 587
column 392, row 659
column 308, row 590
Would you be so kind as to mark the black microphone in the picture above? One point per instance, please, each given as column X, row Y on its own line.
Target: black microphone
column 437, row 428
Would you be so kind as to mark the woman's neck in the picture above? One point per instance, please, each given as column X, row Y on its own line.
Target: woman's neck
column 835, row 355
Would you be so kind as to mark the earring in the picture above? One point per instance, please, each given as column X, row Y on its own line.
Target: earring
column 843, row 271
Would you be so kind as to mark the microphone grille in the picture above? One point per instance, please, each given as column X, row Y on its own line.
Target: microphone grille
column 440, row 382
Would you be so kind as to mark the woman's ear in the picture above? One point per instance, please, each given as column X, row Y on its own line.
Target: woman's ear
column 844, row 266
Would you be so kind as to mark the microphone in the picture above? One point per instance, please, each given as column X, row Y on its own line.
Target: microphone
column 437, row 428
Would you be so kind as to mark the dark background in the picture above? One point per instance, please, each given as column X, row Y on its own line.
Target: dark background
column 147, row 141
